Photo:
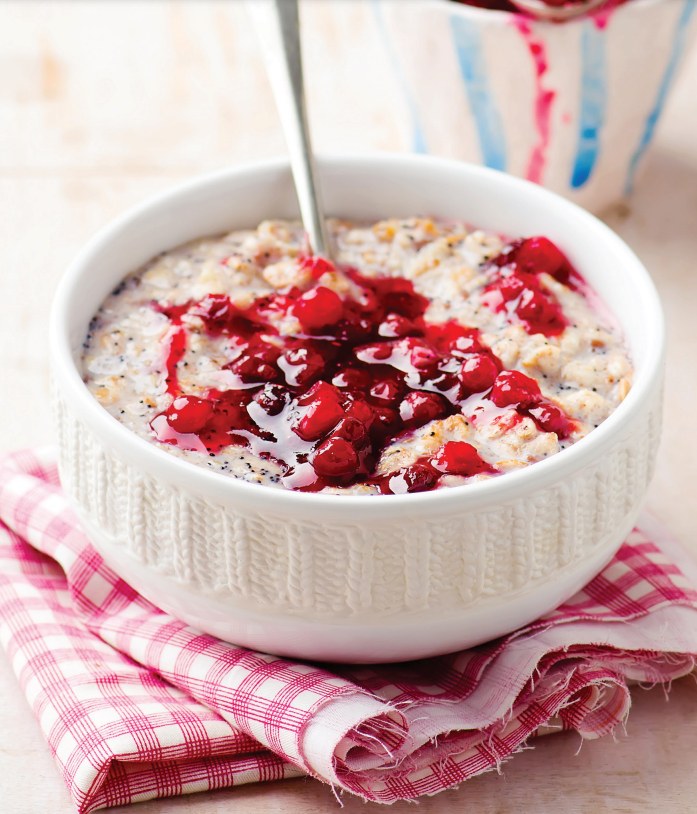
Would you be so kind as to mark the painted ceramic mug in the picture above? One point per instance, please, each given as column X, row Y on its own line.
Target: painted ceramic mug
column 573, row 107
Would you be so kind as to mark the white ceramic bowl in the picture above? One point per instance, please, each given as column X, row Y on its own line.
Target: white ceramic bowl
column 379, row 578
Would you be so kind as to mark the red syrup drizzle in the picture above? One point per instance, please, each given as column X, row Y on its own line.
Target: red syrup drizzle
column 516, row 287
column 325, row 403
column 544, row 99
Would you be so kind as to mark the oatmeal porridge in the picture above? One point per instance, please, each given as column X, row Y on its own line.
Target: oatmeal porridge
column 431, row 355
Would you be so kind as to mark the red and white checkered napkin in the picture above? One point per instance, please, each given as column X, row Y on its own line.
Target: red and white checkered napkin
column 135, row 704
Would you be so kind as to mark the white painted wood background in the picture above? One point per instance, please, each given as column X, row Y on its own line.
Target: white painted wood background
column 103, row 103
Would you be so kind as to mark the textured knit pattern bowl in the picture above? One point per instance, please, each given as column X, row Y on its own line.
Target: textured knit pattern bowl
column 356, row 578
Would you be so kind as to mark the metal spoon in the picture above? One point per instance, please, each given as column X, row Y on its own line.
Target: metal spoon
column 556, row 14
column 278, row 28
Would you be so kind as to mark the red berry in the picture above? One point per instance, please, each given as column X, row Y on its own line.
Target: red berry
column 189, row 414
column 385, row 422
column 423, row 357
column 318, row 308
column 550, row 418
column 537, row 255
column 352, row 430
column 511, row 287
column 541, row 315
column 352, row 379
column 533, row 306
column 447, row 335
column 352, row 330
column 396, row 326
column 458, row 458
column 257, row 364
column 217, row 313
column 397, row 294
column 418, row 408
column 465, row 345
column 386, row 392
column 478, row 373
column 414, row 478
column 301, row 366
column 376, row 351
column 362, row 411
column 321, row 391
column 513, row 387
column 334, row 458
column 322, row 414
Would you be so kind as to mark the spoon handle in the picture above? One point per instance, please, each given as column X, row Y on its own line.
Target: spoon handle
column 278, row 28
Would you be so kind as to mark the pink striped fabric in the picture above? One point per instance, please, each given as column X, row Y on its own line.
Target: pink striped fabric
column 135, row 705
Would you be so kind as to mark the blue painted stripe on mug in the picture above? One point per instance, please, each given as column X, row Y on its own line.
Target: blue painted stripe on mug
column 679, row 42
column 593, row 102
column 470, row 54
column 418, row 138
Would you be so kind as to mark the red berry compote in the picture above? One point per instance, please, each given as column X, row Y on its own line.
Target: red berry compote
column 430, row 355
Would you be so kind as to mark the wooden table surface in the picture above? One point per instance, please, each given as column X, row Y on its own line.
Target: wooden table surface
column 102, row 104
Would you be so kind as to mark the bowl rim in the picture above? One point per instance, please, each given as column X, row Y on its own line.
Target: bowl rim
column 494, row 491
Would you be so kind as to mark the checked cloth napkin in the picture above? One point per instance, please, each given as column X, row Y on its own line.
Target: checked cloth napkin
column 135, row 704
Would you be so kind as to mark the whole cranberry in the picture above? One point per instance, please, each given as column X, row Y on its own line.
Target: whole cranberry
column 257, row 364
column 217, row 313
column 353, row 430
column 386, row 392
column 539, row 254
column 511, row 287
column 396, row 326
column 465, row 345
column 335, row 457
column 513, row 387
column 541, row 315
column 318, row 308
column 362, row 411
column 189, row 414
column 418, row 408
column 444, row 336
column 301, row 365
column 376, row 351
column 324, row 411
column 414, row 478
column 352, row 378
column 551, row 418
column 352, row 330
column 321, row 391
column 458, row 458
column 385, row 422
column 478, row 373
column 397, row 294
column 533, row 306
column 423, row 357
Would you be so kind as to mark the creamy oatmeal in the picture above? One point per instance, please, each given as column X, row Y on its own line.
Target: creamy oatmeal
column 431, row 355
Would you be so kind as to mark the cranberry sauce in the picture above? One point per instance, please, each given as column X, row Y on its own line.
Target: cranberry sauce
column 517, row 290
column 325, row 402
